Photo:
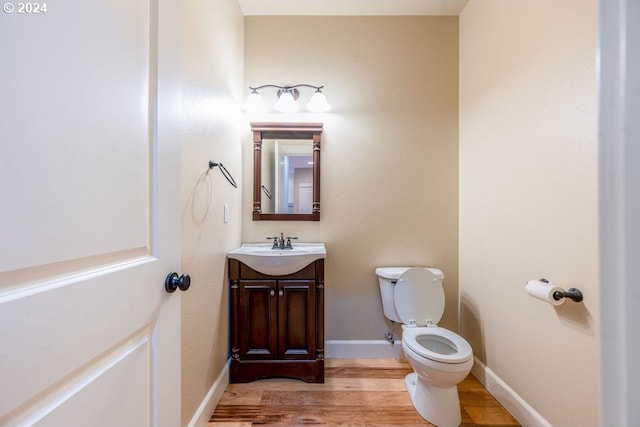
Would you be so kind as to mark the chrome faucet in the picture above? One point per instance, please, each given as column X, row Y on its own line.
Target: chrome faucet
column 279, row 242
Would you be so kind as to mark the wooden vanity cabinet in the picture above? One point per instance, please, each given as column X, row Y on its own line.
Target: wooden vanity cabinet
column 277, row 324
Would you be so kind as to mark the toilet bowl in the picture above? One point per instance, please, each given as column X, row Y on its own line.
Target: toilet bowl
column 440, row 358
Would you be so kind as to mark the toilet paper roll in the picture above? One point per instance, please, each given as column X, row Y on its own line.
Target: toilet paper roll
column 543, row 291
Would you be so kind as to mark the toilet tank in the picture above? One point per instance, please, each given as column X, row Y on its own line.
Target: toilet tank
column 387, row 277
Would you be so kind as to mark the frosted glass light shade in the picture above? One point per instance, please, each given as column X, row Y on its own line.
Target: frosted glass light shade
column 255, row 104
column 318, row 103
column 286, row 103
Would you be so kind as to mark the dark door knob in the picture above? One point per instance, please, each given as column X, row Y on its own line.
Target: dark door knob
column 173, row 282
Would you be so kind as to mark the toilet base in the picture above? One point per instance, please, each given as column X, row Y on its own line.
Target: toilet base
column 438, row 405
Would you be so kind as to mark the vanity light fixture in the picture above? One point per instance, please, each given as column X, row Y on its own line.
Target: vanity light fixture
column 287, row 97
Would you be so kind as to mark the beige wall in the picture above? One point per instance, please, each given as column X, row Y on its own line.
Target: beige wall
column 528, row 198
column 212, row 67
column 389, row 150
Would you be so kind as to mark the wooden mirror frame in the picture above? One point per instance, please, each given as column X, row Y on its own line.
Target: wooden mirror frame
column 272, row 130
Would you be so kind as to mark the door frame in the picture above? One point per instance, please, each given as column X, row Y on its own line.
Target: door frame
column 619, row 209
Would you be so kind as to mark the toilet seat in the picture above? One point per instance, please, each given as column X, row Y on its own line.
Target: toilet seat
column 439, row 344
column 419, row 296
column 419, row 302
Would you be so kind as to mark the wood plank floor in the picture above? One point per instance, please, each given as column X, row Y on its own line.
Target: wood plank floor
column 356, row 392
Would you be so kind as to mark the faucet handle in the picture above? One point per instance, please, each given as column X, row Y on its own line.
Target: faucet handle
column 289, row 239
column 275, row 241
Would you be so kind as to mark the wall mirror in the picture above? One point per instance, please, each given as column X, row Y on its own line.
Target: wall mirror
column 286, row 171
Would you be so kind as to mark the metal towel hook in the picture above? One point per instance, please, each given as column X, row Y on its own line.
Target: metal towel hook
column 224, row 171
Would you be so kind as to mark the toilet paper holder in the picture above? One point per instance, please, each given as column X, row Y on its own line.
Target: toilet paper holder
column 573, row 294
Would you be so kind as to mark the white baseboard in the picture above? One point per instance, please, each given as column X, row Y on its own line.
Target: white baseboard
column 516, row 405
column 362, row 349
column 208, row 405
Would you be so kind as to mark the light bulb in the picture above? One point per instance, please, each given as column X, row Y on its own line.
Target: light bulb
column 255, row 104
column 286, row 103
column 318, row 103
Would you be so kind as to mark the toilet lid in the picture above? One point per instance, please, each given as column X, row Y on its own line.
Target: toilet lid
column 419, row 296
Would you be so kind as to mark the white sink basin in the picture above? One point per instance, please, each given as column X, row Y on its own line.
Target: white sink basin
column 278, row 262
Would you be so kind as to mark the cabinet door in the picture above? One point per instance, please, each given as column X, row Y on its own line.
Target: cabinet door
column 296, row 322
column 258, row 319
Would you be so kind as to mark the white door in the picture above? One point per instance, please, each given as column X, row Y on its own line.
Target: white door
column 305, row 198
column 89, row 222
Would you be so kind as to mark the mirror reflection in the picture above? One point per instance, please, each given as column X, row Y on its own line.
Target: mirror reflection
column 287, row 176
column 286, row 171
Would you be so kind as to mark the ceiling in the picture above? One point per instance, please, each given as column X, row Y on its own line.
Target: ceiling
column 352, row 7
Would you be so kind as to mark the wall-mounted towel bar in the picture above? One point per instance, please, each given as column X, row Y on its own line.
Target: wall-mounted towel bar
column 224, row 171
column 266, row 192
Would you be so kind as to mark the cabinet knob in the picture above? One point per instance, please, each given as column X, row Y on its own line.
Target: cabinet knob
column 280, row 292
column 272, row 292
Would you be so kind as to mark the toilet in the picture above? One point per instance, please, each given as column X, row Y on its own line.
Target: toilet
column 440, row 358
